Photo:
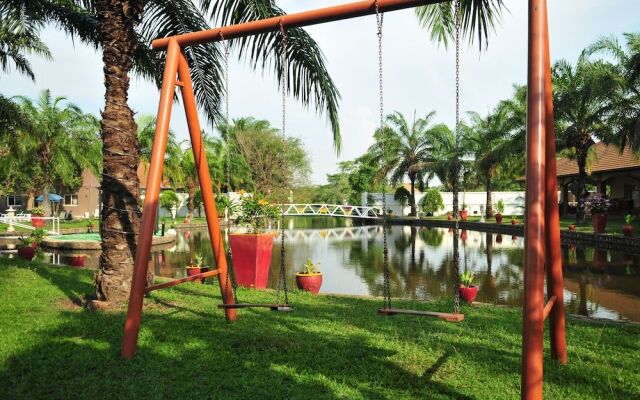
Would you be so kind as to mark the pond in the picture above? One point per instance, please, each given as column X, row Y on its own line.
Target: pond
column 598, row 283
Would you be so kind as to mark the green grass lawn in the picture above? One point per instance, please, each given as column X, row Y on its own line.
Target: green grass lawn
column 329, row 347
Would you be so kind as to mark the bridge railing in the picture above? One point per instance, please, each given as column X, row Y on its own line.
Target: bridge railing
column 24, row 221
column 332, row 210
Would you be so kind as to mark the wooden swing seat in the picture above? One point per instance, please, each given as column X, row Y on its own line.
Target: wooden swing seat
column 445, row 316
column 273, row 307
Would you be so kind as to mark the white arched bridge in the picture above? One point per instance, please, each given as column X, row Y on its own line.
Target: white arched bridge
column 332, row 210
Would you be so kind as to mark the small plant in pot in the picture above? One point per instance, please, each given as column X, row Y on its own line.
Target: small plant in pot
column 572, row 227
column 37, row 214
column 598, row 206
column 464, row 213
column 29, row 244
column 628, row 228
column 450, row 216
column 499, row 206
column 310, row 279
column 467, row 291
column 194, row 265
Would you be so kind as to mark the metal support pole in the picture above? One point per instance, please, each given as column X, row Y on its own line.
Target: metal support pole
column 136, row 296
column 206, row 188
column 534, row 255
column 555, row 283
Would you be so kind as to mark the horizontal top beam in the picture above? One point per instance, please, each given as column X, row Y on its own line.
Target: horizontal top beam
column 312, row 17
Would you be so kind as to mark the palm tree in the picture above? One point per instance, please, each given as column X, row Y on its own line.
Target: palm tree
column 408, row 149
column 581, row 97
column 63, row 141
column 625, row 106
column 490, row 140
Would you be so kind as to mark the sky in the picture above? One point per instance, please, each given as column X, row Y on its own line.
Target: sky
column 419, row 75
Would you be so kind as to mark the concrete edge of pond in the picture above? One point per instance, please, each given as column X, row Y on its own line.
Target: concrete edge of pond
column 599, row 241
column 95, row 245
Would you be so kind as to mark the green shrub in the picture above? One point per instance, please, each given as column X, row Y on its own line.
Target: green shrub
column 432, row 202
column 499, row 206
column 169, row 199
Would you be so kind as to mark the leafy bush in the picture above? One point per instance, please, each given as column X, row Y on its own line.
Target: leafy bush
column 255, row 212
column 402, row 194
column 432, row 202
column 37, row 212
column 169, row 199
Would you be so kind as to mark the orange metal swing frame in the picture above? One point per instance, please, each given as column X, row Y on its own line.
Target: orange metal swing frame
column 542, row 228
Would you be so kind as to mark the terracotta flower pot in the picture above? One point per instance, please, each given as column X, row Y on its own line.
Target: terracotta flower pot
column 514, row 222
column 37, row 222
column 627, row 230
column 498, row 218
column 449, row 217
column 464, row 214
column 468, row 293
column 251, row 258
column 309, row 282
column 27, row 252
column 76, row 261
column 572, row 227
column 599, row 222
column 191, row 271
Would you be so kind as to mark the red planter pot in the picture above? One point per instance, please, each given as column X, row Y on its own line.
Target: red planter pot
column 627, row 230
column 251, row 258
column 309, row 282
column 193, row 271
column 464, row 214
column 498, row 218
column 27, row 252
column 572, row 227
column 514, row 222
column 599, row 222
column 498, row 238
column 468, row 293
column 37, row 222
column 463, row 234
column 76, row 261
column 449, row 217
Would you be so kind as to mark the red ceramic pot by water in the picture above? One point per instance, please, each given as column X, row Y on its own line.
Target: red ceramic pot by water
column 468, row 293
column 627, row 230
column 498, row 238
column 464, row 214
column 76, row 261
column 193, row 271
column 27, row 252
column 251, row 255
column 37, row 222
column 514, row 222
column 572, row 227
column 498, row 218
column 599, row 222
column 309, row 282
column 463, row 234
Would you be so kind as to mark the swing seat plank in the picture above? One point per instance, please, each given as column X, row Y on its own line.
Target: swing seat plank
column 182, row 280
column 273, row 307
column 445, row 316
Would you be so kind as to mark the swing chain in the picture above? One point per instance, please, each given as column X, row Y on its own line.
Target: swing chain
column 456, row 255
column 387, row 283
column 282, row 279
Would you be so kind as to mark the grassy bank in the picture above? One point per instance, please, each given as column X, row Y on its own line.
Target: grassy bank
column 330, row 347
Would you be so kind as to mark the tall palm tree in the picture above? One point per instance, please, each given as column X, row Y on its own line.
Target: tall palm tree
column 625, row 106
column 63, row 142
column 489, row 138
column 581, row 98
column 408, row 149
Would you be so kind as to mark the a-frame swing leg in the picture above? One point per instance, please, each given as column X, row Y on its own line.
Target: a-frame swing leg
column 136, row 296
column 206, row 188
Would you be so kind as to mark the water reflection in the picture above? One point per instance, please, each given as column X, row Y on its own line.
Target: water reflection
column 598, row 283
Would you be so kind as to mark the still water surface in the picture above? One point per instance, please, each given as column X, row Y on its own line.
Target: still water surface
column 598, row 283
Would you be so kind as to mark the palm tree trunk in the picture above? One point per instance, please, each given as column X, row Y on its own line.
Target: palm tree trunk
column 191, row 204
column 489, row 207
column 582, row 178
column 412, row 200
column 120, row 216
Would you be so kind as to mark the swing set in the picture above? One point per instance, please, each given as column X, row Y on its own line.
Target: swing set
column 542, row 228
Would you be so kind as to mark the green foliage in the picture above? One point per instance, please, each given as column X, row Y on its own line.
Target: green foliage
column 310, row 268
column 169, row 199
column 198, row 260
column 499, row 206
column 629, row 218
column 402, row 194
column 34, row 239
column 256, row 213
column 432, row 201
column 224, row 202
column 37, row 211
column 466, row 278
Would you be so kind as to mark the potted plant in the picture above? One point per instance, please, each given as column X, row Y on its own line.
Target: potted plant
column 499, row 206
column 29, row 245
column 251, row 251
column 194, row 265
column 598, row 206
column 77, row 260
column 499, row 238
column 450, row 216
column 467, row 291
column 628, row 228
column 464, row 214
column 90, row 226
column 514, row 221
column 310, row 279
column 37, row 214
column 572, row 227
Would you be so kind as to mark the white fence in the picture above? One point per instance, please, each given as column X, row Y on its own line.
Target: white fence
column 24, row 221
